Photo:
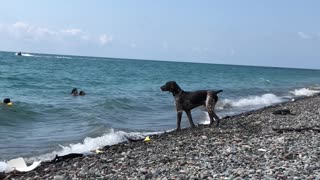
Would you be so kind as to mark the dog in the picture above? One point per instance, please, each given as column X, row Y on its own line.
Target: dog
column 186, row 101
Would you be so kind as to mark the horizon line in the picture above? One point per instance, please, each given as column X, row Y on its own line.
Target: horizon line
column 159, row 60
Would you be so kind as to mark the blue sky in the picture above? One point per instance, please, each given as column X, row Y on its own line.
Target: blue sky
column 277, row 33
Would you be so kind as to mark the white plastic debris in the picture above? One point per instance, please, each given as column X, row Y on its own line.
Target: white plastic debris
column 20, row 165
column 262, row 150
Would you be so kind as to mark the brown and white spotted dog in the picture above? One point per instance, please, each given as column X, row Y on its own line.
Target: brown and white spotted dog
column 186, row 101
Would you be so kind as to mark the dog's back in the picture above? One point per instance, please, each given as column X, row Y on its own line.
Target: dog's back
column 194, row 99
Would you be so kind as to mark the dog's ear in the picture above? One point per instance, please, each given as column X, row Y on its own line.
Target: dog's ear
column 172, row 87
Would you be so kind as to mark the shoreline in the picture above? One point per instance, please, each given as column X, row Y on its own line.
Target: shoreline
column 245, row 146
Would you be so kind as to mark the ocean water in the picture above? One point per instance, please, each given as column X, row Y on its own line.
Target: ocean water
column 123, row 99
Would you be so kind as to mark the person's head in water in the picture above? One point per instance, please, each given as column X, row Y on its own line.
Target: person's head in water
column 7, row 101
column 82, row 93
column 74, row 92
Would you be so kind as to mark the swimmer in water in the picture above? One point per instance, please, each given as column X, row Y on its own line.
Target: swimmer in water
column 82, row 93
column 74, row 92
column 7, row 101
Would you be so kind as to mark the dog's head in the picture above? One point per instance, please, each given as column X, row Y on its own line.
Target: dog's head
column 170, row 86
column 74, row 92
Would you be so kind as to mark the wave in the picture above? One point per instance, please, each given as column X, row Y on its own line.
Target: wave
column 4, row 167
column 123, row 103
column 227, row 107
column 265, row 80
column 236, row 106
column 25, row 54
column 90, row 144
column 86, row 147
column 264, row 100
column 16, row 114
column 63, row 57
column 304, row 92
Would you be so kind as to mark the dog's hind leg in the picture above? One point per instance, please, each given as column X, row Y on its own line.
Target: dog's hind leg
column 210, row 104
column 216, row 118
column 210, row 113
column 190, row 118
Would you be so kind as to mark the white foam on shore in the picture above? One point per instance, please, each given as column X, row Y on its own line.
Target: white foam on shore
column 264, row 100
column 90, row 144
column 3, row 166
column 255, row 102
column 235, row 106
column 304, row 92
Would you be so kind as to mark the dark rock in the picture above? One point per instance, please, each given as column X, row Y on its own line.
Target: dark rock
column 68, row 156
column 282, row 112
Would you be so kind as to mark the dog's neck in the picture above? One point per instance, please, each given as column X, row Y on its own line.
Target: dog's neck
column 177, row 91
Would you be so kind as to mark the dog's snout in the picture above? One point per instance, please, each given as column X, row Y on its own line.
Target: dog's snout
column 163, row 88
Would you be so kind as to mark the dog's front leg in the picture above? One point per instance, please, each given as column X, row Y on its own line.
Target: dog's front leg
column 190, row 118
column 179, row 115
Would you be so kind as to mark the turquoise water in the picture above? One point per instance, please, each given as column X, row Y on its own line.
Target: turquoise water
column 123, row 98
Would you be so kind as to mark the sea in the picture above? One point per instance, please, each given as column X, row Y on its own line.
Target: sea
column 123, row 98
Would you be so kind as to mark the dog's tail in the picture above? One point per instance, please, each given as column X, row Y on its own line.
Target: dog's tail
column 219, row 91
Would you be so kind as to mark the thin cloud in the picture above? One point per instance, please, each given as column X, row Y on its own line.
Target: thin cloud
column 304, row 35
column 22, row 25
column 24, row 31
column 105, row 39
column 73, row 32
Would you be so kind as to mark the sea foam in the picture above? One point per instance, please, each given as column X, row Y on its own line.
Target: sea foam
column 264, row 100
column 90, row 144
column 304, row 92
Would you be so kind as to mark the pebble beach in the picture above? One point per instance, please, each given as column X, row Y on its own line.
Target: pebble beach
column 245, row 146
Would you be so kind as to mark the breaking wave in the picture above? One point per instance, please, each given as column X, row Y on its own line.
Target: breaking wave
column 264, row 100
column 304, row 92
column 90, row 144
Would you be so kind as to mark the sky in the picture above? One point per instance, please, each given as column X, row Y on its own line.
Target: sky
column 274, row 33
